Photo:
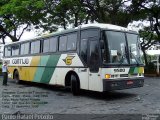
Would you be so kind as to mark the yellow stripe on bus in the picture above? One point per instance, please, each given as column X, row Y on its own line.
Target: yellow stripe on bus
column 11, row 70
column 28, row 73
column 141, row 69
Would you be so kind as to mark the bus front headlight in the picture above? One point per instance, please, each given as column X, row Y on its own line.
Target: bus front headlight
column 107, row 76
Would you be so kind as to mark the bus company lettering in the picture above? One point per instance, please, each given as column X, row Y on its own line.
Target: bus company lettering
column 20, row 61
column 119, row 70
column 8, row 61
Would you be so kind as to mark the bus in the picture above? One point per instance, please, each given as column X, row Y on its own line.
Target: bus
column 96, row 57
column 1, row 52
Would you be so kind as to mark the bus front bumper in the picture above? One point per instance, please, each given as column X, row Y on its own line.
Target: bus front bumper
column 125, row 83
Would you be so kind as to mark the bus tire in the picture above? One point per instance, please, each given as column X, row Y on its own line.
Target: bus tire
column 16, row 77
column 75, row 85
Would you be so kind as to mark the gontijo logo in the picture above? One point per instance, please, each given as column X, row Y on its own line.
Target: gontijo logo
column 19, row 61
column 68, row 60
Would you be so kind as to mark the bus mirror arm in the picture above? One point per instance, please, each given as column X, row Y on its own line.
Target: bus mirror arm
column 102, row 44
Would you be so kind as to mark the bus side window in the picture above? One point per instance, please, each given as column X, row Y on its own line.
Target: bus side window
column 46, row 45
column 62, row 43
column 71, row 42
column 53, row 44
column 24, row 48
column 15, row 50
column 50, row 45
column 35, row 47
column 7, row 51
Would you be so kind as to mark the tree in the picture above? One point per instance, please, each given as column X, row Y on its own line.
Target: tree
column 148, row 39
column 64, row 13
column 108, row 11
column 77, row 12
column 15, row 14
column 147, row 10
column 50, row 14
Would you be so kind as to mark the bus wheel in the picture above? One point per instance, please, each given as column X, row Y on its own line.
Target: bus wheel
column 16, row 77
column 75, row 86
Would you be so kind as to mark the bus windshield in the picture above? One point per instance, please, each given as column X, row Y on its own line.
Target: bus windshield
column 118, row 52
column 134, row 48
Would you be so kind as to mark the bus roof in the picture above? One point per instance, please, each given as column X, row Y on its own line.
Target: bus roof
column 105, row 26
column 93, row 25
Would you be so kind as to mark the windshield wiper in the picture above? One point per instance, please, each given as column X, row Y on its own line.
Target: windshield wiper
column 122, row 59
column 135, row 58
column 125, row 55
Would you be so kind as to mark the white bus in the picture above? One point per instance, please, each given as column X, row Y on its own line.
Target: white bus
column 1, row 51
column 96, row 57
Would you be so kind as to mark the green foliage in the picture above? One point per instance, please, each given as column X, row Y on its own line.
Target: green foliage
column 147, row 10
column 17, row 13
column 64, row 13
column 77, row 12
column 151, row 69
column 50, row 14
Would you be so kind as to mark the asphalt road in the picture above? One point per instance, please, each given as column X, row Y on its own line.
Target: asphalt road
column 39, row 98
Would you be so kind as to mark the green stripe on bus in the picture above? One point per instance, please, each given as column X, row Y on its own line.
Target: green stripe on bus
column 40, row 70
column 136, row 70
column 131, row 71
column 38, row 74
column 50, row 67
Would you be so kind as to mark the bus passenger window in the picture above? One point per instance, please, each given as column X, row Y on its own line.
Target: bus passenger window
column 53, row 44
column 62, row 43
column 15, row 50
column 35, row 47
column 46, row 45
column 50, row 45
column 71, row 43
column 8, row 51
column 24, row 48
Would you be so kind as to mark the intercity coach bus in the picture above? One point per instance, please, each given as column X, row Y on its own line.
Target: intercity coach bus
column 97, row 57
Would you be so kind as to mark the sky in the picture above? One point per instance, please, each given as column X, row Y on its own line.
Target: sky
column 26, row 35
column 136, row 25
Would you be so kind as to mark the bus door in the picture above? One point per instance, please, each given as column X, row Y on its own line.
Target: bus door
column 95, row 82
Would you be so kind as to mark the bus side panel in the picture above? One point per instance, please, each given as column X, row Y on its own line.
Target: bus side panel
column 83, row 77
column 41, row 68
column 11, row 70
column 31, row 71
column 66, row 63
column 95, row 81
column 58, row 76
column 39, row 74
column 46, row 68
column 23, row 73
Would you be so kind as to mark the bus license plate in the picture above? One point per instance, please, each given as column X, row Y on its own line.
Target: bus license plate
column 129, row 82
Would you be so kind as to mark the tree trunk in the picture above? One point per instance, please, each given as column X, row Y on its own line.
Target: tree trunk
column 76, row 20
column 145, row 58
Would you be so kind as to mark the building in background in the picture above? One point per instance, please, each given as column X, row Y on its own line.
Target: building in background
column 154, row 50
